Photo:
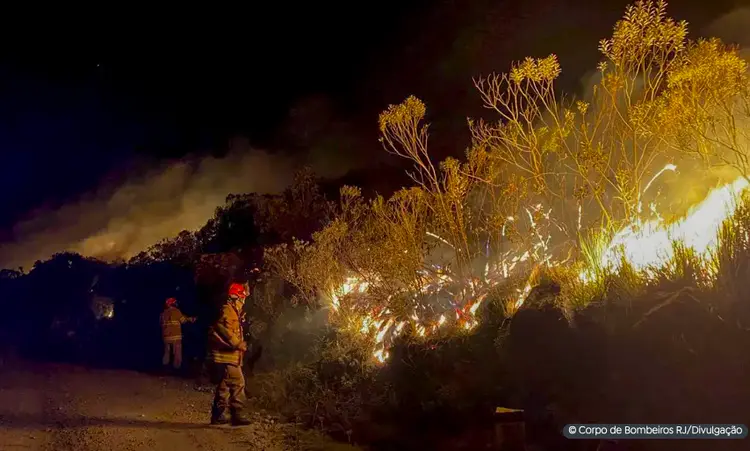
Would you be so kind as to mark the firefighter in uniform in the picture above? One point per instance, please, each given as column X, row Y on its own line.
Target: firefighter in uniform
column 226, row 349
column 172, row 320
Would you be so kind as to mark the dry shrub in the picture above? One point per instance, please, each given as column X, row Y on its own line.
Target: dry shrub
column 623, row 346
column 335, row 393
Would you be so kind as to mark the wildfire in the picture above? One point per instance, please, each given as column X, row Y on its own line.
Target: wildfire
column 650, row 245
column 645, row 244
column 466, row 297
column 351, row 284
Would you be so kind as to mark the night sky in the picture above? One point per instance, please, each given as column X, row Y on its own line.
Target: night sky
column 94, row 91
column 82, row 96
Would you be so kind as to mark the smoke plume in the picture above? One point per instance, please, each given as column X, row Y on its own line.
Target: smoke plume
column 156, row 201
column 732, row 28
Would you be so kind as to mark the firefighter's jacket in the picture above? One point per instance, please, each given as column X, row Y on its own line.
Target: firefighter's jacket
column 172, row 320
column 226, row 337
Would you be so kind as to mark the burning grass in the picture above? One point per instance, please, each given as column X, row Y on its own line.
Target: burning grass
column 560, row 203
column 691, row 249
column 555, row 186
column 630, row 345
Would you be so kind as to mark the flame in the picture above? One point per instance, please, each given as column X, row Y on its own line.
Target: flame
column 350, row 285
column 381, row 355
column 649, row 245
column 467, row 295
column 644, row 244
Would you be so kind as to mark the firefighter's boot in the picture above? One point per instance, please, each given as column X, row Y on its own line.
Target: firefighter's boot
column 219, row 417
column 240, row 419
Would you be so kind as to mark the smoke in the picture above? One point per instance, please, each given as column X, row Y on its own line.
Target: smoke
column 732, row 28
column 122, row 218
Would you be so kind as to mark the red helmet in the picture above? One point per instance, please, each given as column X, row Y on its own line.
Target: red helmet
column 238, row 290
column 170, row 302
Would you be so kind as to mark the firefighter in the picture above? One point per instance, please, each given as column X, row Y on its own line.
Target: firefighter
column 172, row 320
column 226, row 349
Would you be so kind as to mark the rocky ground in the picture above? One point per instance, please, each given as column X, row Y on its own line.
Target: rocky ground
column 64, row 407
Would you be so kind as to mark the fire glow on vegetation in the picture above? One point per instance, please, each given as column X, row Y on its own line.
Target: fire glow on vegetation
column 645, row 244
column 648, row 245
column 589, row 157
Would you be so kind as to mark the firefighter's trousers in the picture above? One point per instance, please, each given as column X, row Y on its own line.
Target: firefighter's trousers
column 230, row 388
column 173, row 352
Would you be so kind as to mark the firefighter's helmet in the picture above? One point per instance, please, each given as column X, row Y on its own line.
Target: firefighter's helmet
column 171, row 302
column 238, row 291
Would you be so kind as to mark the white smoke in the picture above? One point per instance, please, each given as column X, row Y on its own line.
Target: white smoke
column 732, row 28
column 154, row 203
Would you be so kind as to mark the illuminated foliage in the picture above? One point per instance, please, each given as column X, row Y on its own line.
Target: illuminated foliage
column 546, row 173
column 585, row 158
column 705, row 109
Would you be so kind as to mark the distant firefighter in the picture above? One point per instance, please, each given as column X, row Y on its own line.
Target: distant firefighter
column 172, row 320
column 226, row 350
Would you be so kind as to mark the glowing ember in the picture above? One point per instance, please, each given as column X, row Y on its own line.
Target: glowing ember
column 381, row 355
column 464, row 296
column 351, row 284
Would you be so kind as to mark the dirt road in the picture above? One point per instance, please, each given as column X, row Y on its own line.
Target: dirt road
column 63, row 407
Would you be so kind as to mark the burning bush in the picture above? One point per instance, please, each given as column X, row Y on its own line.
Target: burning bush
column 569, row 196
column 551, row 172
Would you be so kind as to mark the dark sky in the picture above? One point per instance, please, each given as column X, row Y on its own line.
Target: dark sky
column 84, row 93
column 90, row 91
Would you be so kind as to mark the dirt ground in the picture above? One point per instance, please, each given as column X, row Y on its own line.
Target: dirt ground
column 64, row 407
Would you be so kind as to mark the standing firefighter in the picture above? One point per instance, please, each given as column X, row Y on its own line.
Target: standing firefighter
column 227, row 346
column 172, row 320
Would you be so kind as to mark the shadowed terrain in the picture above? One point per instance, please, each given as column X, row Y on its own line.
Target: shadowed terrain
column 61, row 407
